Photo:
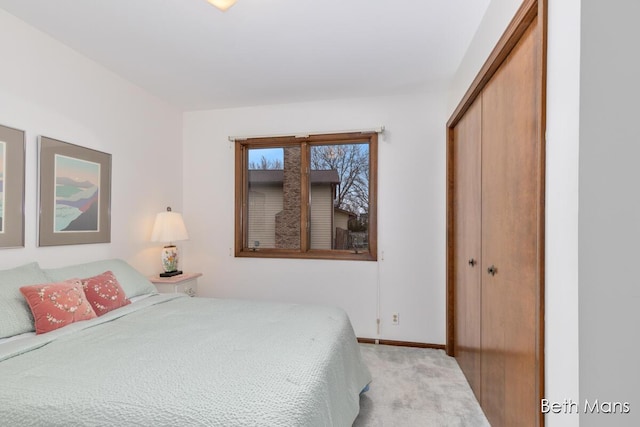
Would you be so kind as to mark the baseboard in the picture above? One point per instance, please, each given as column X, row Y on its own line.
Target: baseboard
column 401, row 343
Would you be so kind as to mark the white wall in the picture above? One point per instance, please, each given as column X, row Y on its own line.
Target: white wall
column 411, row 213
column 495, row 20
column 48, row 89
column 563, row 141
column 609, row 208
column 561, row 279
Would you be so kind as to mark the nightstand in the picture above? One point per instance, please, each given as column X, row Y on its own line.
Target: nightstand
column 182, row 283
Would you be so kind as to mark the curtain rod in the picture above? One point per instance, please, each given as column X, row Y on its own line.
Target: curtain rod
column 306, row 134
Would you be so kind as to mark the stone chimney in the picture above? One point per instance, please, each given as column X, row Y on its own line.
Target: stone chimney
column 288, row 220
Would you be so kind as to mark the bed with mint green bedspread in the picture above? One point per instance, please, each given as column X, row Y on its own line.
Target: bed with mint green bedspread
column 176, row 361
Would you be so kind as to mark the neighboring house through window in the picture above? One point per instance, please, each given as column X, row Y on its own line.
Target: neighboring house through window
column 307, row 197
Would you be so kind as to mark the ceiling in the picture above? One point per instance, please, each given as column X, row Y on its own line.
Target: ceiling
column 264, row 51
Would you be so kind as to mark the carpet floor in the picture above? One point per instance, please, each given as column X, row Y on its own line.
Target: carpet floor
column 415, row 387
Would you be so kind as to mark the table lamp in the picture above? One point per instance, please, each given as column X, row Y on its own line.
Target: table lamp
column 169, row 227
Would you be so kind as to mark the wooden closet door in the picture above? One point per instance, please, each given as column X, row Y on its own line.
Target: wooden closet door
column 510, row 197
column 467, row 198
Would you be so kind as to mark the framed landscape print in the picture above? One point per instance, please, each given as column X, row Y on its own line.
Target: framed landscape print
column 75, row 194
column 11, row 187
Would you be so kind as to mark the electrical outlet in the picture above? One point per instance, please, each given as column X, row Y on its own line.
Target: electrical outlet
column 395, row 319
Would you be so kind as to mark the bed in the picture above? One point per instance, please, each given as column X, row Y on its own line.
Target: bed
column 172, row 360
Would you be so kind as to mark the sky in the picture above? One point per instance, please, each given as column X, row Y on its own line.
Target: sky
column 269, row 153
column 2, row 154
column 78, row 170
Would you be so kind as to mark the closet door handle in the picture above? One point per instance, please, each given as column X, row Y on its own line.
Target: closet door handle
column 492, row 270
column 472, row 262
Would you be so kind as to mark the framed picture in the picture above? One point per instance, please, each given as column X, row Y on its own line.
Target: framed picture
column 75, row 194
column 11, row 187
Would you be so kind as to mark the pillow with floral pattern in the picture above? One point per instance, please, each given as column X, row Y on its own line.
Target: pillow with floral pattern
column 104, row 293
column 55, row 305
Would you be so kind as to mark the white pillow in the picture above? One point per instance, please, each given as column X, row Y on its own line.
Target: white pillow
column 132, row 281
column 15, row 315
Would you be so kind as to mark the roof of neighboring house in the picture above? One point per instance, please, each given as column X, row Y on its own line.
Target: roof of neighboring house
column 342, row 211
column 273, row 176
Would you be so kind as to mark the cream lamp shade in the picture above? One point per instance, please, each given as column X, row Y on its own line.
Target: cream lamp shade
column 169, row 227
column 223, row 5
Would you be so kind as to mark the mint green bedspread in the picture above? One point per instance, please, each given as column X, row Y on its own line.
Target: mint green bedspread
column 178, row 361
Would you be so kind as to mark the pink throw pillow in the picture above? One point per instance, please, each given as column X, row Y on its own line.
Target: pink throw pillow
column 104, row 293
column 55, row 305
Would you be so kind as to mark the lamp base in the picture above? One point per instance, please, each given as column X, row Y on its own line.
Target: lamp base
column 170, row 273
column 169, row 257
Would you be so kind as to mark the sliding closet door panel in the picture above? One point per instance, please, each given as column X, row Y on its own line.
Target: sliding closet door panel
column 467, row 197
column 510, row 185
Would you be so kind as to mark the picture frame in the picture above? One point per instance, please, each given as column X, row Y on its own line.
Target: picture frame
column 12, row 187
column 74, row 194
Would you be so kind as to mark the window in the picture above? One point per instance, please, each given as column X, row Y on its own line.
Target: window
column 307, row 197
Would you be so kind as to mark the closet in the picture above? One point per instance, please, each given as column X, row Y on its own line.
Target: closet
column 495, row 237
